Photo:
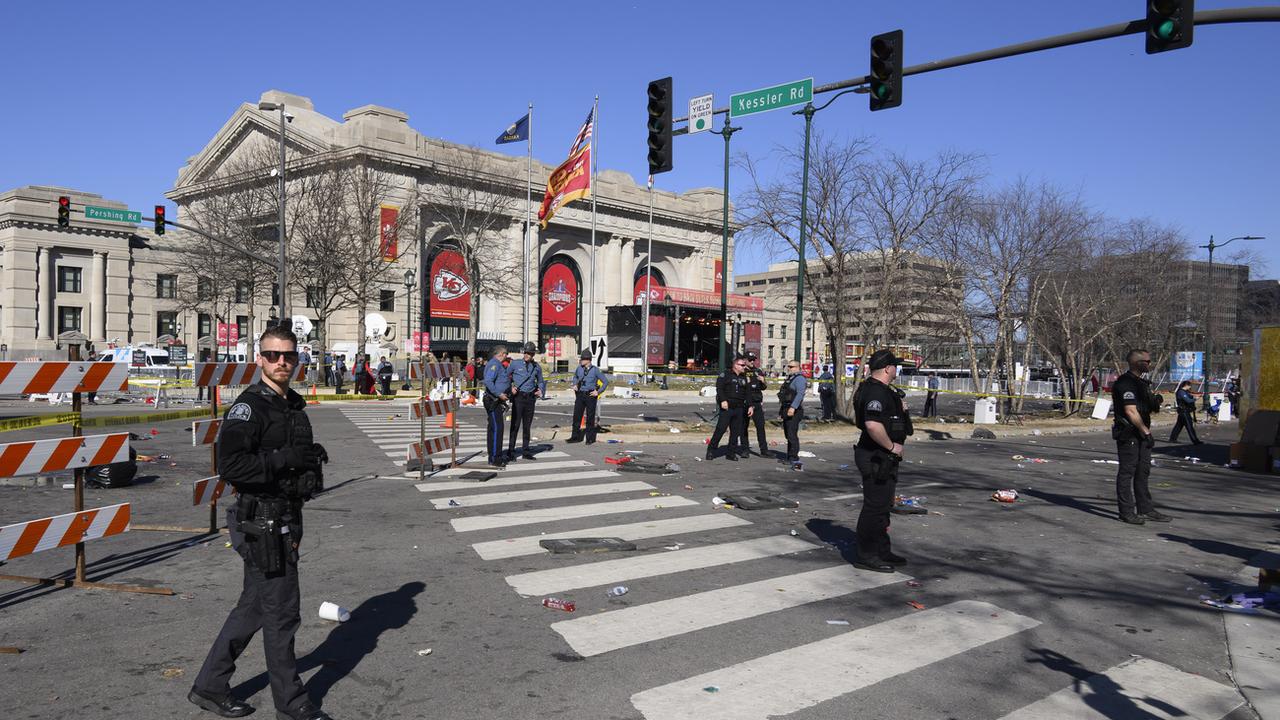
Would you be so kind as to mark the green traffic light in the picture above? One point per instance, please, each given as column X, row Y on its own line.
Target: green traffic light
column 880, row 90
column 1167, row 30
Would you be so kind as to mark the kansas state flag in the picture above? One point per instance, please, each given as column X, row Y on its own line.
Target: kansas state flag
column 517, row 131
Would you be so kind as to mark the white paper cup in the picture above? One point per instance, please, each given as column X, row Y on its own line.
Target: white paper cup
column 331, row 611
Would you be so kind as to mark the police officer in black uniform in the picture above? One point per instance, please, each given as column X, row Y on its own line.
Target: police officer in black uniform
column 1133, row 402
column 732, row 393
column 885, row 424
column 267, row 452
column 756, row 385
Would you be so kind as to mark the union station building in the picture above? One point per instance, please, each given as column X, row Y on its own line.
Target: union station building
column 116, row 282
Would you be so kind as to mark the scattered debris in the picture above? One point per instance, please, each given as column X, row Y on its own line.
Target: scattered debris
column 837, row 622
column 617, row 591
column 757, row 500
column 1005, row 496
column 674, row 430
column 454, row 503
column 983, row 434
column 172, row 672
column 558, row 604
column 806, row 454
column 334, row 612
column 9, row 650
column 424, row 652
column 843, row 467
column 573, row 546
column 913, row 583
column 916, row 605
column 1105, row 462
column 711, row 689
column 794, row 533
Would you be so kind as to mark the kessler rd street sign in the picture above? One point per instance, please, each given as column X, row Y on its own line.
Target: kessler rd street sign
column 771, row 98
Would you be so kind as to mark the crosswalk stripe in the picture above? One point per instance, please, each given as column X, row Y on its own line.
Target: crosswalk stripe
column 595, row 634
column 507, row 480
column 511, row 496
column 529, row 544
column 1137, row 688
column 792, row 680
column 476, row 457
column 567, row 512
column 536, row 466
column 605, row 572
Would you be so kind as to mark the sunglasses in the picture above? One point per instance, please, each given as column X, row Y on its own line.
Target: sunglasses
column 275, row 355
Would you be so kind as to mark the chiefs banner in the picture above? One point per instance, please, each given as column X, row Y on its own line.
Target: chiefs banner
column 559, row 296
column 450, row 287
column 656, row 342
column 656, row 291
column 719, row 275
column 388, row 239
column 569, row 182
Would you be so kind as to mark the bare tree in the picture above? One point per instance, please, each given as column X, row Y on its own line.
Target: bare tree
column 469, row 206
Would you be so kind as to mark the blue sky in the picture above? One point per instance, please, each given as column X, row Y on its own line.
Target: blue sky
column 112, row 97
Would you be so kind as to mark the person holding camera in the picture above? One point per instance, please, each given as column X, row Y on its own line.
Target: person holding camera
column 885, row 424
column 1134, row 401
column 267, row 452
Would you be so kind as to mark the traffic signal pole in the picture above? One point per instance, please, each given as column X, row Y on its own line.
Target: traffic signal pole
column 726, row 132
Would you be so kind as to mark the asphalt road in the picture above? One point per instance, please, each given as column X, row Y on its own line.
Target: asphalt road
column 727, row 615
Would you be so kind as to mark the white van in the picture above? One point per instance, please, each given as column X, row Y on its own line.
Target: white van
column 140, row 359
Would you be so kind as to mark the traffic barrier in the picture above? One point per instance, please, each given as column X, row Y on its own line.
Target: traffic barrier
column 208, row 490
column 432, row 371
column 45, row 456
column 430, row 408
column 218, row 374
column 431, row 445
column 45, row 377
column 205, row 432
column 29, row 537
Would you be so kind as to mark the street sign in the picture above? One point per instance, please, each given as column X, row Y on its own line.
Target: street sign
column 100, row 213
column 771, row 98
column 700, row 113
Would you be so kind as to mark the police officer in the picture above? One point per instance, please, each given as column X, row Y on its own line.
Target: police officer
column 733, row 391
column 588, row 382
column 497, row 389
column 1186, row 404
column 267, row 452
column 1134, row 401
column 885, row 424
column 526, row 385
column 931, row 397
column 755, row 406
column 791, row 409
column 827, row 393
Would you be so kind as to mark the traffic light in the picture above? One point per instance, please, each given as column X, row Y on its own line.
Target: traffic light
column 64, row 211
column 1169, row 24
column 886, row 70
column 159, row 220
column 660, row 126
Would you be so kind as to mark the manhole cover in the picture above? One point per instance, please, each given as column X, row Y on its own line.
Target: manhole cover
column 561, row 546
column 758, row 501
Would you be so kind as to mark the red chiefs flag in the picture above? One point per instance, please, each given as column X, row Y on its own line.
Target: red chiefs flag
column 388, row 238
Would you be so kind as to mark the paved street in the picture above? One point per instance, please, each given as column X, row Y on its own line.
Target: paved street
column 1040, row 609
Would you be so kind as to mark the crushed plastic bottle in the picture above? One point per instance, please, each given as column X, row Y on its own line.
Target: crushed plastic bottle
column 617, row 591
column 558, row 604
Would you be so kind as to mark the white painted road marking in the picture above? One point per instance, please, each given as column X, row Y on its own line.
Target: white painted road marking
column 515, row 480
column 523, row 467
column 501, row 498
column 792, row 680
column 568, row 512
column 529, row 544
column 605, row 572
column 595, row 634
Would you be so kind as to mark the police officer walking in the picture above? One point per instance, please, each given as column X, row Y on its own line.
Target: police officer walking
column 1134, row 401
column 732, row 393
column 497, row 389
column 827, row 393
column 588, row 382
column 931, row 397
column 791, row 409
column 756, row 385
column 885, row 424
column 1186, row 405
column 526, row 386
column 266, row 451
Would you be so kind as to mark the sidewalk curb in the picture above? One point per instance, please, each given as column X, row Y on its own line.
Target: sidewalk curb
column 1253, row 644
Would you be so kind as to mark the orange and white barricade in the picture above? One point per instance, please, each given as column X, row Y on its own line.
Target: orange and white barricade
column 215, row 374
column 430, row 446
column 432, row 371
column 55, row 376
column 205, row 432
column 29, row 537
column 35, row 457
column 431, row 408
column 208, row 490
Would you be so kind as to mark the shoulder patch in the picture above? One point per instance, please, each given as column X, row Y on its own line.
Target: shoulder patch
column 240, row 411
column 875, row 405
column 1128, row 395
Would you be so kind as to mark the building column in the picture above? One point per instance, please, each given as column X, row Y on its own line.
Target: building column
column 609, row 277
column 627, row 270
column 98, row 298
column 44, row 310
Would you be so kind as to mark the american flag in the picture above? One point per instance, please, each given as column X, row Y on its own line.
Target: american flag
column 584, row 135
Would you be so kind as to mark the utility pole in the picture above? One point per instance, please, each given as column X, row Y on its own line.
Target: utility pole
column 1208, row 311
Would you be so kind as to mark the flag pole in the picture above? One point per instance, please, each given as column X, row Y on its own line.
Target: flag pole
column 528, row 225
column 595, row 163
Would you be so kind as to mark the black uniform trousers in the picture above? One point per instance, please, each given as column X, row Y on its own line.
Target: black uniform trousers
column 930, row 404
column 270, row 603
column 1132, row 492
column 791, row 429
column 828, row 398
column 757, row 417
column 584, row 404
column 494, row 409
column 521, row 419
column 1185, row 420
column 735, row 421
column 879, row 472
column 386, row 384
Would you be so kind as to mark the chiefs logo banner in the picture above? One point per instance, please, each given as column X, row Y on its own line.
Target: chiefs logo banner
column 559, row 296
column 450, row 287
column 388, row 236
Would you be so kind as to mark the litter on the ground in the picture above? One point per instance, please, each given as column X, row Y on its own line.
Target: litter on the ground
column 913, row 583
column 617, row 591
column 806, row 454
column 454, row 503
column 1005, row 496
column 674, row 430
column 837, row 622
column 424, row 652
column 843, row 467
column 1105, row 462
column 916, row 605
column 711, row 689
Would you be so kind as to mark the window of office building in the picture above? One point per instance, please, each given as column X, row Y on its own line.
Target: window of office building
column 68, row 279
column 315, row 296
column 770, row 331
column 167, row 323
column 68, row 319
column 387, row 301
column 242, row 291
column 204, row 323
column 783, row 328
column 275, row 293
column 242, row 326
column 166, row 286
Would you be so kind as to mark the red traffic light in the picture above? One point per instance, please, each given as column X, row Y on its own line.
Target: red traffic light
column 159, row 216
column 159, row 211
column 64, row 201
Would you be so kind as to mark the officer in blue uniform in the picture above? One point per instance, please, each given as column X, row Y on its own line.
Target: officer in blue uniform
column 791, row 409
column 588, row 383
column 527, row 386
column 497, row 392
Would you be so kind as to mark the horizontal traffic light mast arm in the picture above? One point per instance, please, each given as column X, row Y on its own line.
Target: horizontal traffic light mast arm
column 1134, row 27
column 225, row 243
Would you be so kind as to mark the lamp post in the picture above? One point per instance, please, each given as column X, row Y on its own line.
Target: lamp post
column 410, row 346
column 726, row 132
column 1208, row 309
column 281, row 271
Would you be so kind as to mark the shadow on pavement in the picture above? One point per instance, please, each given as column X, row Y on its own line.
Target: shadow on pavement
column 838, row 536
column 1101, row 693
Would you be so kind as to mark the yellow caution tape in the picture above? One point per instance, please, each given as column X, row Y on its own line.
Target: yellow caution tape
column 144, row 418
column 992, row 395
column 35, row 421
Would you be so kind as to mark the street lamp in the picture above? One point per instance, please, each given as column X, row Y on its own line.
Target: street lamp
column 1208, row 308
column 284, row 286
column 408, row 325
